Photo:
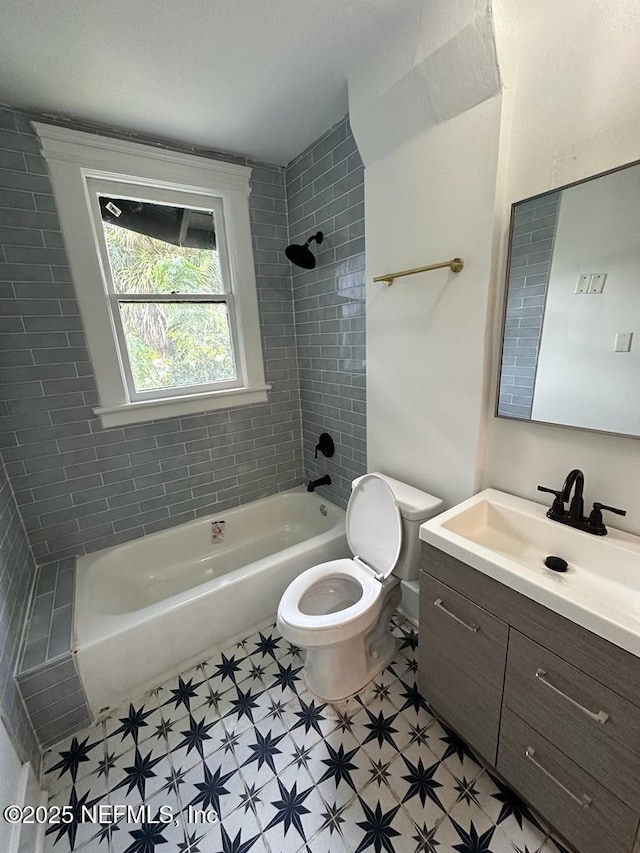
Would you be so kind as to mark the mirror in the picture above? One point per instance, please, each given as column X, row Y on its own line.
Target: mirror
column 571, row 332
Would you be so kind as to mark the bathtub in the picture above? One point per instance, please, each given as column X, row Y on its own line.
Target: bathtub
column 150, row 608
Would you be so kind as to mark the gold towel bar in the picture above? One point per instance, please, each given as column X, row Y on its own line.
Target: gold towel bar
column 455, row 265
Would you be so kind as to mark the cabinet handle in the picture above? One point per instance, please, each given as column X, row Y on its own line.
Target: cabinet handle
column 584, row 801
column 438, row 603
column 600, row 717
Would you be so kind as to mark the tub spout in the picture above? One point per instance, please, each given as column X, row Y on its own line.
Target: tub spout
column 321, row 481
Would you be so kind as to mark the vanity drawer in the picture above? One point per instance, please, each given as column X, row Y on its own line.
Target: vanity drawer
column 593, row 726
column 589, row 816
column 462, row 662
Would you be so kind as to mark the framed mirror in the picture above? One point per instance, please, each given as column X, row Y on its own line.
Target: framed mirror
column 571, row 329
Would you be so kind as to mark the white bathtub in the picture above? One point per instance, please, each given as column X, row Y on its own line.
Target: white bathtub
column 149, row 608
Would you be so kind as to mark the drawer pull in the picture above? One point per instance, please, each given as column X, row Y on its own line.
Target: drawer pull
column 600, row 717
column 584, row 801
column 439, row 604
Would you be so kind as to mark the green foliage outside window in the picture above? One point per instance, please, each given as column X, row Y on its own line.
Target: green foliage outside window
column 170, row 344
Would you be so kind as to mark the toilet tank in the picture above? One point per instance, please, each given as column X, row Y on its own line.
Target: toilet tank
column 415, row 507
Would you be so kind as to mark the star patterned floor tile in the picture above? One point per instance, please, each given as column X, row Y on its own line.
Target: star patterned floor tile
column 461, row 833
column 382, row 694
column 424, row 786
column 263, row 752
column 266, row 644
column 383, row 734
column 186, row 692
column 237, row 833
column 243, row 706
column 214, row 784
column 375, row 821
column 64, row 837
column 125, row 726
column 195, row 737
column 403, row 668
column 339, row 768
column 291, row 810
column 241, row 735
column 453, row 752
column 159, row 832
column 509, row 813
column 309, row 719
column 73, row 760
column 326, row 841
column 138, row 774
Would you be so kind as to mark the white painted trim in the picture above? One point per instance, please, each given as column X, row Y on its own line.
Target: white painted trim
column 134, row 160
column 171, row 407
column 19, row 787
column 75, row 159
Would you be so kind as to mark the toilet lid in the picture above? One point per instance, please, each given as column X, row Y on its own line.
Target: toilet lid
column 374, row 526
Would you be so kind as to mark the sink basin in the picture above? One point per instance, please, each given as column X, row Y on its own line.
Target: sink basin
column 508, row 538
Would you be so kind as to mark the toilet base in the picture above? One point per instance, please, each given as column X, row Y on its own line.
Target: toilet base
column 336, row 672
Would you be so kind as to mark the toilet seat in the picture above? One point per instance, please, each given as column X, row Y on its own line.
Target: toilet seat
column 345, row 623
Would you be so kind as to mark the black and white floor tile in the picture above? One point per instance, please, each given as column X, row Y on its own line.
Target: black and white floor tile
column 240, row 737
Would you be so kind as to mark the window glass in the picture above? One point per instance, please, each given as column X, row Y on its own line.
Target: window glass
column 156, row 248
column 172, row 344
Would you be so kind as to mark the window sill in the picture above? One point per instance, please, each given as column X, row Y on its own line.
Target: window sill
column 171, row 407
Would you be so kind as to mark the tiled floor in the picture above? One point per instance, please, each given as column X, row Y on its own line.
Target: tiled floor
column 239, row 735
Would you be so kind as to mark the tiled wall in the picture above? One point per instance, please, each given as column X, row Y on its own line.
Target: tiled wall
column 49, row 626
column 531, row 253
column 325, row 191
column 17, row 571
column 47, row 676
column 80, row 487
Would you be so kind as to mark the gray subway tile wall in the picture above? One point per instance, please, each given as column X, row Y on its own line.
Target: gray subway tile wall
column 55, row 699
column 49, row 626
column 534, row 229
column 325, row 191
column 17, row 574
column 80, row 487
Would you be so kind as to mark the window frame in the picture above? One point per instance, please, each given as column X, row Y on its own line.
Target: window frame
column 83, row 165
column 100, row 187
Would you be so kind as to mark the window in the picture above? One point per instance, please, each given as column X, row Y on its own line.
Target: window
column 164, row 275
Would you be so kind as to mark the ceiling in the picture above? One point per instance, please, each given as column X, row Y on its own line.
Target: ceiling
column 258, row 77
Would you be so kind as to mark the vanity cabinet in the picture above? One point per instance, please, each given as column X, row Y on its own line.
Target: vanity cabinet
column 554, row 708
column 466, row 676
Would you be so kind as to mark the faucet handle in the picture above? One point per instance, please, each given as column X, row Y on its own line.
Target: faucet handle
column 598, row 506
column 557, row 507
column 595, row 518
column 556, row 492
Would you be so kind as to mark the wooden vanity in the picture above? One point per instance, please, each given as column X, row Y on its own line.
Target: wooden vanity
column 554, row 708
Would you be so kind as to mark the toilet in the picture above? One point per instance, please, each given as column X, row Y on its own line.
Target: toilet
column 339, row 611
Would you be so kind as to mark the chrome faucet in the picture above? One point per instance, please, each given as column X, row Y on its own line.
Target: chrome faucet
column 575, row 517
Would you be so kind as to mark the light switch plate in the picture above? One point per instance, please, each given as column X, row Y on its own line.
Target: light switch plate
column 584, row 281
column 623, row 342
column 596, row 285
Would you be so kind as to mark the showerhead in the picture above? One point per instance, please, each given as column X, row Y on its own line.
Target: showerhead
column 301, row 255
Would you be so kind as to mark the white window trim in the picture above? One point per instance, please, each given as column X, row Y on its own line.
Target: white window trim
column 73, row 158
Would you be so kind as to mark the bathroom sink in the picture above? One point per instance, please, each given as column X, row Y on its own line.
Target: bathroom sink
column 509, row 538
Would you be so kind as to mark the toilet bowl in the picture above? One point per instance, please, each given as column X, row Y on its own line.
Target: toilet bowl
column 339, row 611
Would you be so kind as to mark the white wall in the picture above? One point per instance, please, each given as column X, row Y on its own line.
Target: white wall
column 426, row 118
column 430, row 200
column 18, row 786
column 580, row 379
column 10, row 773
column 572, row 109
column 445, row 155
